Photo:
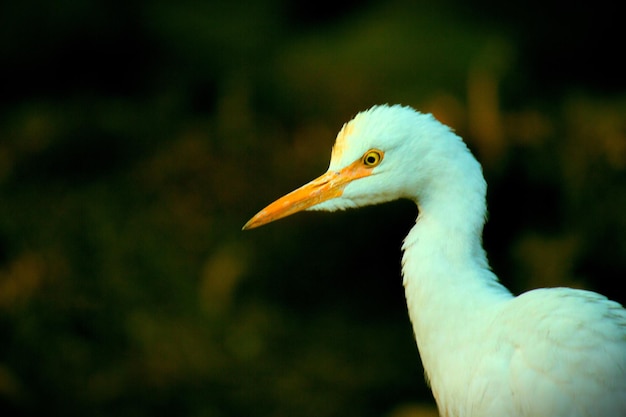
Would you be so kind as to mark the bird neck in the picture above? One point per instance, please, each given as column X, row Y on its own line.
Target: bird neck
column 446, row 275
column 449, row 287
column 444, row 258
column 444, row 249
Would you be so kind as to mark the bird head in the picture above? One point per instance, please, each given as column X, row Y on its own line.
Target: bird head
column 384, row 153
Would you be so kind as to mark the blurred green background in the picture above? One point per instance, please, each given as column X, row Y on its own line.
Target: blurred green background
column 137, row 137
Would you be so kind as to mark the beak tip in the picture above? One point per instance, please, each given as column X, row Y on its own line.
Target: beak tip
column 247, row 226
column 253, row 223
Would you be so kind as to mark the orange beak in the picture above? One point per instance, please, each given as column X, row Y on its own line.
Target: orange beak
column 328, row 186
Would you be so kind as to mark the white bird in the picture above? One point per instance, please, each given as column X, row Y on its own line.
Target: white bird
column 556, row 352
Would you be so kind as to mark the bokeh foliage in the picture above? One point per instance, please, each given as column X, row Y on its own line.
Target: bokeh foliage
column 136, row 138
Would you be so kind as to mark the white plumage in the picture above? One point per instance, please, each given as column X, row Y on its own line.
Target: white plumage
column 549, row 352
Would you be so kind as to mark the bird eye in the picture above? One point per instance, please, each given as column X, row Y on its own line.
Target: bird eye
column 372, row 158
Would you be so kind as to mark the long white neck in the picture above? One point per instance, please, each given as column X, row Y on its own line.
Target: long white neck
column 447, row 278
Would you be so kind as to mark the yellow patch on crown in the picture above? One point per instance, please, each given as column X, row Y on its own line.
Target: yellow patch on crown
column 341, row 142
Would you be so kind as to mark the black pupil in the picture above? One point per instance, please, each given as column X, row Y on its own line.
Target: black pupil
column 371, row 159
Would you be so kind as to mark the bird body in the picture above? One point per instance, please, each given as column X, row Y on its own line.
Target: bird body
column 556, row 352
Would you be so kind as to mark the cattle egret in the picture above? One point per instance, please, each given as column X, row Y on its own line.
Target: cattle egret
column 556, row 352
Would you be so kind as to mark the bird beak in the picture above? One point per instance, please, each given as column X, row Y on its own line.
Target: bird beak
column 328, row 186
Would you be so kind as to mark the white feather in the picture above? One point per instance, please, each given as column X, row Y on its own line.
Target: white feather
column 549, row 352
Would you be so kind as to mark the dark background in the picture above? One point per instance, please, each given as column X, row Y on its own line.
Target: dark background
column 137, row 137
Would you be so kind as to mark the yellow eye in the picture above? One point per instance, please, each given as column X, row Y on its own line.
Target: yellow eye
column 372, row 158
